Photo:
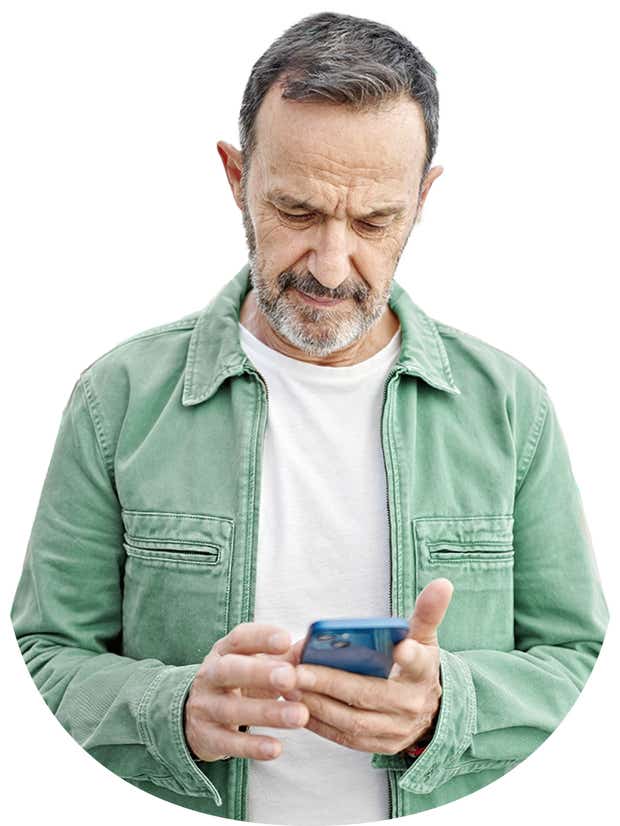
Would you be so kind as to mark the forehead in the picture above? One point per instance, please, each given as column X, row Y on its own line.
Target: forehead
column 334, row 144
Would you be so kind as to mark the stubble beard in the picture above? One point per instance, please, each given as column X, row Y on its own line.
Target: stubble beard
column 317, row 331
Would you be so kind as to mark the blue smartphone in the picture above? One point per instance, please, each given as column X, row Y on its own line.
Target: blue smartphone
column 363, row 646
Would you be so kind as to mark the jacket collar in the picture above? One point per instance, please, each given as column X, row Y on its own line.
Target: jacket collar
column 215, row 351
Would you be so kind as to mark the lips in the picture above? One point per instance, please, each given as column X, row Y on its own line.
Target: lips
column 321, row 302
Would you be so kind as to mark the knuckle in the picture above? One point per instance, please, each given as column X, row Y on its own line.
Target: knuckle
column 359, row 726
column 414, row 705
column 233, row 639
column 193, row 708
column 365, row 699
column 224, row 667
column 212, row 670
column 267, row 713
column 317, row 706
column 221, row 711
column 415, row 708
column 343, row 739
column 394, row 747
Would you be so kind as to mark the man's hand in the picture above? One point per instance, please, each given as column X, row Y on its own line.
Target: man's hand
column 238, row 684
column 374, row 714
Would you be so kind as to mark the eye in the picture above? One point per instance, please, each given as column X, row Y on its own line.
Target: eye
column 373, row 227
column 296, row 218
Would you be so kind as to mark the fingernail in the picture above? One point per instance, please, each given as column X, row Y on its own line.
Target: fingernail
column 278, row 640
column 292, row 716
column 268, row 749
column 281, row 675
column 305, row 678
column 396, row 671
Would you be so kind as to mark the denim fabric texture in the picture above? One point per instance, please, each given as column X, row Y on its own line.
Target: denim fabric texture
column 143, row 551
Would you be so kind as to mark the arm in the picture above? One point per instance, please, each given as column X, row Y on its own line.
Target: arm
column 67, row 617
column 497, row 707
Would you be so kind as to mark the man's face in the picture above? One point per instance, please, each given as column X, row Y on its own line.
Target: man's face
column 328, row 205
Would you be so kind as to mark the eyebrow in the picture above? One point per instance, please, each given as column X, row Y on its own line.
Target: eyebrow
column 291, row 202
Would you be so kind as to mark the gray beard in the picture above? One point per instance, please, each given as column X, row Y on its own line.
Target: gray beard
column 322, row 331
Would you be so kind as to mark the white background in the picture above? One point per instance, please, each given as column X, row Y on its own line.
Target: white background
column 116, row 216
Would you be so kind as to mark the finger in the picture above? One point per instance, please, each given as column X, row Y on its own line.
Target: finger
column 253, row 638
column 243, row 671
column 295, row 651
column 429, row 610
column 239, row 744
column 291, row 655
column 232, row 710
column 346, row 718
column 359, row 690
column 416, row 661
column 370, row 744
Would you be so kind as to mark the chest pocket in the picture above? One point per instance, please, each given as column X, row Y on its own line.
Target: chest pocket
column 176, row 585
column 476, row 554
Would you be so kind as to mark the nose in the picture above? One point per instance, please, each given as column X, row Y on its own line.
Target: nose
column 329, row 258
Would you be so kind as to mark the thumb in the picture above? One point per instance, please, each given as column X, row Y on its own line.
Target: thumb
column 429, row 610
column 295, row 651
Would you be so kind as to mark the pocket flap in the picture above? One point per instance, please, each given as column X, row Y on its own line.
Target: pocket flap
column 476, row 532
column 157, row 529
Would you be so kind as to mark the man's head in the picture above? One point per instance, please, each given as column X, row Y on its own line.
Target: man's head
column 338, row 121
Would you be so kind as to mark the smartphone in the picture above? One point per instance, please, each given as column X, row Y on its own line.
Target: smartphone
column 363, row 646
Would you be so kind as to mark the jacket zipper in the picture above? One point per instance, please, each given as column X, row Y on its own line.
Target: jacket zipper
column 387, row 451
column 240, row 802
column 386, row 444
column 255, row 494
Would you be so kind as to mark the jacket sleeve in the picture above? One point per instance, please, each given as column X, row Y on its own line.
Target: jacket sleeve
column 67, row 618
column 497, row 707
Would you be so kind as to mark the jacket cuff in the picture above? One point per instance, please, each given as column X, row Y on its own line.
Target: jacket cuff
column 454, row 730
column 160, row 716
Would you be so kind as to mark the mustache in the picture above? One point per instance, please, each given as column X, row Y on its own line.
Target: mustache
column 308, row 284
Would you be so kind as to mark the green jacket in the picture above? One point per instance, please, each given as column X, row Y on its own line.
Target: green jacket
column 143, row 551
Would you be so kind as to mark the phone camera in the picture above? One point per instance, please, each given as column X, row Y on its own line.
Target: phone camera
column 340, row 643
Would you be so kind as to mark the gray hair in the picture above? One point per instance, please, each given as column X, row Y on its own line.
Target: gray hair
column 346, row 60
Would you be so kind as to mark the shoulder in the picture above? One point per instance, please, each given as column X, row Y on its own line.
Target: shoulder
column 152, row 341
column 137, row 375
column 496, row 386
column 475, row 359
column 153, row 354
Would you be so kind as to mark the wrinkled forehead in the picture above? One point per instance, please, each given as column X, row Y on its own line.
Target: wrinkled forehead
column 337, row 144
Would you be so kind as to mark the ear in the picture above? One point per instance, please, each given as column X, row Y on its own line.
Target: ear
column 233, row 164
column 431, row 175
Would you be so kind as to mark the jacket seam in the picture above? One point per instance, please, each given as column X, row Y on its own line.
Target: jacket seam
column 143, row 725
column 532, row 442
column 97, row 423
column 445, row 329
column 440, row 349
column 173, row 327
column 472, row 765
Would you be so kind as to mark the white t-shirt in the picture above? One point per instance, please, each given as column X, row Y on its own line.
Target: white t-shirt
column 323, row 553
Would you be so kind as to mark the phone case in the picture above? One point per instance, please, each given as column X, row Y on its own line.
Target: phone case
column 362, row 646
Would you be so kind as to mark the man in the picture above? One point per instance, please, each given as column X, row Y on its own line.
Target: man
column 312, row 445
